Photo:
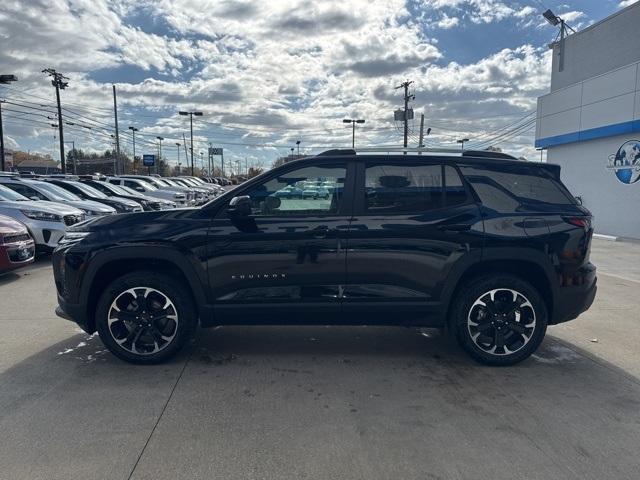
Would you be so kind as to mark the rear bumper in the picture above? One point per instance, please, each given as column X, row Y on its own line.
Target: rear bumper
column 572, row 301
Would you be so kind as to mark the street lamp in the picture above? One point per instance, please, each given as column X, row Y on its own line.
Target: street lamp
column 4, row 79
column 353, row 122
column 554, row 20
column 178, row 145
column 191, row 114
column 159, row 154
column 298, row 144
column 461, row 142
column 133, row 132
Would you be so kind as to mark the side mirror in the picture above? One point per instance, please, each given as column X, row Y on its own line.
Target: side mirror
column 240, row 206
column 578, row 199
column 37, row 199
column 140, row 189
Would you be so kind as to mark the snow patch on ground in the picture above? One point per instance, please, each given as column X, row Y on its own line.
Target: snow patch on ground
column 554, row 354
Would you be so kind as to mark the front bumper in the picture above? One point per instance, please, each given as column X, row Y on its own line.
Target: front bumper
column 74, row 313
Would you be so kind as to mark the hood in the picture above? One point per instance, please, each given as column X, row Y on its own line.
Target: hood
column 92, row 205
column 134, row 221
column 126, row 201
column 10, row 226
column 43, row 206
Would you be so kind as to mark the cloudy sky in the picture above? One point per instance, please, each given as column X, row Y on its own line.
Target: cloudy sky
column 268, row 73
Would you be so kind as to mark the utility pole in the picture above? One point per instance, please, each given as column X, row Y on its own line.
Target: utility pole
column 58, row 81
column 4, row 79
column 407, row 97
column 115, row 112
column 191, row 114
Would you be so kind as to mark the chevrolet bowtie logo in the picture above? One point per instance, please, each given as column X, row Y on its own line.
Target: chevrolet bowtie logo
column 257, row 276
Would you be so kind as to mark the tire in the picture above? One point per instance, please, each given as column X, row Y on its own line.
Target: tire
column 129, row 317
column 498, row 319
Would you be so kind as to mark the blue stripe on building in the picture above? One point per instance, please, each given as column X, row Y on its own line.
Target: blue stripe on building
column 590, row 134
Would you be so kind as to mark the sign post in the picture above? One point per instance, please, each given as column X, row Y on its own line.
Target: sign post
column 218, row 151
column 149, row 160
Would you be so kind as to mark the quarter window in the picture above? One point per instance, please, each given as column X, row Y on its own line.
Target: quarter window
column 316, row 190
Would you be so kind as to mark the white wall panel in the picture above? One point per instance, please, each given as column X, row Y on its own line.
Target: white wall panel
column 608, row 112
column 609, row 85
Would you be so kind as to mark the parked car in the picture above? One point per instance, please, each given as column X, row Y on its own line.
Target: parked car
column 189, row 193
column 38, row 190
column 46, row 221
column 492, row 248
column 148, row 189
column 147, row 203
column 87, row 192
column 17, row 248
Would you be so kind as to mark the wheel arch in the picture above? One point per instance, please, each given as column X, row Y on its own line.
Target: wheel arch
column 112, row 264
column 528, row 270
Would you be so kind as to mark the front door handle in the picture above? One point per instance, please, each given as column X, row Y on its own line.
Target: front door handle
column 320, row 231
column 455, row 228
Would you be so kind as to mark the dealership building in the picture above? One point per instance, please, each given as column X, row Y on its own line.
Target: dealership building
column 590, row 121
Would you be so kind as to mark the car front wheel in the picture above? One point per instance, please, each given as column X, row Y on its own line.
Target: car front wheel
column 145, row 317
column 499, row 320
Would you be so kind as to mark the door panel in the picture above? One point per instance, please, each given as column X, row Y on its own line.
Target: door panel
column 398, row 262
column 285, row 263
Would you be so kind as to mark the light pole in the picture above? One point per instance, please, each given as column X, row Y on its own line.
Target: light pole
column 298, row 144
column 159, row 154
column 178, row 145
column 60, row 84
column 191, row 114
column 461, row 142
column 4, row 79
column 133, row 132
column 353, row 122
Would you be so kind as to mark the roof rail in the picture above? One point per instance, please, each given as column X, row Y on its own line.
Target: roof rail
column 487, row 154
column 337, row 151
column 427, row 150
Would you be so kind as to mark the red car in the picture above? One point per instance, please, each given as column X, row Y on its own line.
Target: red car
column 16, row 245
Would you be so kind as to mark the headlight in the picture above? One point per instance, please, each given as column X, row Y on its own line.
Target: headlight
column 72, row 237
column 93, row 213
column 44, row 216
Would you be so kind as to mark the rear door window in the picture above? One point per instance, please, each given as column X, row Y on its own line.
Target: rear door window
column 407, row 187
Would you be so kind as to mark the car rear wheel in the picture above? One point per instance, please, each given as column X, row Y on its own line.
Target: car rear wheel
column 499, row 320
column 145, row 318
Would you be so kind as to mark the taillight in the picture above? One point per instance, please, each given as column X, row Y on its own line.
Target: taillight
column 581, row 222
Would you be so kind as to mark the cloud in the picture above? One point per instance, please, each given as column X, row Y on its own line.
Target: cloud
column 268, row 72
column 626, row 3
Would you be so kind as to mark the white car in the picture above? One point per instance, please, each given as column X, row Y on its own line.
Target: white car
column 161, row 185
column 149, row 190
column 37, row 190
column 47, row 222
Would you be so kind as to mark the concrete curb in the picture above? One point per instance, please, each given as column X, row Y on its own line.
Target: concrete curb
column 612, row 238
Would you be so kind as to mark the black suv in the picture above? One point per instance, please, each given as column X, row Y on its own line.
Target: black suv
column 491, row 248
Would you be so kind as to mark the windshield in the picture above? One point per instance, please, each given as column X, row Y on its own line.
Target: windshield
column 170, row 182
column 55, row 192
column 6, row 194
column 90, row 191
column 130, row 191
column 117, row 189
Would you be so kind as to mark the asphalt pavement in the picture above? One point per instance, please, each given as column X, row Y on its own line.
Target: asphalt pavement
column 321, row 402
